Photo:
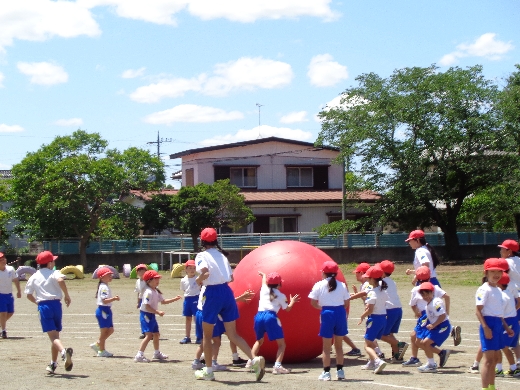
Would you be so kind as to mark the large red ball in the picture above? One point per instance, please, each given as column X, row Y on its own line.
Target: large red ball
column 299, row 264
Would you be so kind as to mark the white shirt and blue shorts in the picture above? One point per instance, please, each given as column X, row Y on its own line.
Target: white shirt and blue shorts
column 266, row 320
column 218, row 329
column 493, row 311
column 509, row 296
column 333, row 317
column 104, row 310
column 417, row 300
column 423, row 257
column 441, row 332
column 6, row 289
column 376, row 321
column 148, row 321
column 394, row 309
column 191, row 296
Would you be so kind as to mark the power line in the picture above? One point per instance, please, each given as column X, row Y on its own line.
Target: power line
column 159, row 142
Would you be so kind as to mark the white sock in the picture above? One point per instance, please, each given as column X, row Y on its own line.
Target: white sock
column 140, row 353
column 157, row 351
column 63, row 352
column 499, row 366
column 476, row 364
column 209, row 369
column 431, row 361
column 235, row 356
column 378, row 351
column 513, row 367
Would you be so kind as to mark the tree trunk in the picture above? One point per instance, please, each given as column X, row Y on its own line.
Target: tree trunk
column 195, row 240
column 451, row 240
column 83, row 252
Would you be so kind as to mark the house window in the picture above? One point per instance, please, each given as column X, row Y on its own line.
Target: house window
column 243, row 177
column 189, row 178
column 334, row 218
column 283, row 224
column 299, row 177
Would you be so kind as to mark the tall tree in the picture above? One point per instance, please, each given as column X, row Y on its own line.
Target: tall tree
column 424, row 139
column 4, row 217
column 62, row 189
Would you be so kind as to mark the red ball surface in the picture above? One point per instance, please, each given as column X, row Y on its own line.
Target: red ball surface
column 299, row 264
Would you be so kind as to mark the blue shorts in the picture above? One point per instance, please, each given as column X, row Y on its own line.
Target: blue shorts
column 218, row 300
column 268, row 322
column 104, row 317
column 333, row 321
column 50, row 315
column 496, row 342
column 433, row 281
column 513, row 324
column 6, row 303
column 376, row 324
column 189, row 307
column 148, row 322
column 420, row 327
column 439, row 334
column 218, row 330
column 518, row 315
column 393, row 320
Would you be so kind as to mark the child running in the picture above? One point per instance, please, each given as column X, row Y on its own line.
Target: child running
column 7, row 278
column 140, row 286
column 331, row 297
column 191, row 299
column 45, row 288
column 266, row 320
column 104, row 311
column 425, row 255
column 149, row 326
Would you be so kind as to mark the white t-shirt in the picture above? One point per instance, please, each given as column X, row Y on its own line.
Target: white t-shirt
column 6, row 280
column 514, row 271
column 265, row 303
column 366, row 287
column 152, row 298
column 104, row 292
column 44, row 284
column 423, row 256
column 190, row 286
column 491, row 298
column 378, row 298
column 140, row 287
column 320, row 292
column 417, row 299
column 393, row 301
column 435, row 309
column 509, row 296
column 217, row 265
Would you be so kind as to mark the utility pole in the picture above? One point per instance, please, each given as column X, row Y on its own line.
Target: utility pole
column 159, row 142
column 259, row 105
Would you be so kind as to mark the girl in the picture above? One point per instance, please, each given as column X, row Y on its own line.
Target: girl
column 437, row 328
column 331, row 297
column 191, row 299
column 490, row 314
column 266, row 321
column 151, row 298
column 375, row 312
column 218, row 300
column 424, row 255
column 140, row 286
column 104, row 311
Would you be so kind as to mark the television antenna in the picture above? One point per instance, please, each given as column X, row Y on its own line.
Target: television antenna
column 259, row 105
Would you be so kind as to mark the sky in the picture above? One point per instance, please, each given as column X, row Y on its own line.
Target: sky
column 207, row 72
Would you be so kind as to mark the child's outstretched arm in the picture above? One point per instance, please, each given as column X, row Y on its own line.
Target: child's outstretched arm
column 292, row 300
column 170, row 300
column 204, row 274
column 264, row 277
column 109, row 300
column 368, row 310
column 446, row 298
column 358, row 295
column 246, row 296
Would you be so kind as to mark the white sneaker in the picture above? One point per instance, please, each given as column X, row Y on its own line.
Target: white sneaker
column 105, row 353
column 340, row 375
column 258, row 366
column 280, row 370
column 219, row 367
column 324, row 376
column 159, row 356
column 95, row 347
column 197, row 365
column 428, row 368
column 379, row 366
column 369, row 366
column 249, row 363
column 141, row 359
column 203, row 374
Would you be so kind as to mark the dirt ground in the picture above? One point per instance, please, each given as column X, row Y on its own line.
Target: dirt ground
column 26, row 352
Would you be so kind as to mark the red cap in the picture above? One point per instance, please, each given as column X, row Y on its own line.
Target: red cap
column 141, row 266
column 208, row 235
column 361, row 267
column 274, row 278
column 415, row 235
column 330, row 267
column 495, row 264
column 103, row 271
column 374, row 272
column 512, row 245
column 426, row 286
column 151, row 274
column 387, row 266
column 504, row 279
column 189, row 262
column 422, row 273
column 1, row 255
column 45, row 257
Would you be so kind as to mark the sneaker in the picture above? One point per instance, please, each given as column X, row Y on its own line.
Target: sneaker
column 258, row 366
column 340, row 375
column 324, row 376
column 239, row 362
column 95, row 347
column 141, row 359
column 197, row 365
column 428, row 368
column 499, row 373
column 68, row 359
column 516, row 373
column 51, row 368
column 369, row 366
column 402, row 347
column 395, row 359
column 185, row 340
column 473, row 370
column 198, row 341
column 105, row 353
column 159, row 356
column 443, row 357
column 219, row 367
column 455, row 333
column 280, row 370
column 204, row 374
column 379, row 367
column 354, row 352
column 249, row 364
column 142, row 336
column 413, row 362
column 508, row 373
column 4, row 334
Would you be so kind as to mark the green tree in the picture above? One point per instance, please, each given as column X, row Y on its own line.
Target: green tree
column 157, row 214
column 4, row 217
column 63, row 189
column 424, row 139
column 119, row 221
column 232, row 211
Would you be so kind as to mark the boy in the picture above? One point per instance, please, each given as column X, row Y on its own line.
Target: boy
column 140, row 286
column 7, row 278
column 191, row 298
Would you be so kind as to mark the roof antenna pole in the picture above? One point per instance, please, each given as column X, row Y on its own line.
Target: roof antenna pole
column 259, row 105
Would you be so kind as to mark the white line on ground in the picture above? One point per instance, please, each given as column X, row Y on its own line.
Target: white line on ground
column 395, row 386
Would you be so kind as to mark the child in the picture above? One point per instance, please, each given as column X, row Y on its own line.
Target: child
column 437, row 329
column 394, row 314
column 266, row 321
column 331, row 297
column 490, row 314
column 191, row 298
column 140, row 286
column 104, row 311
column 424, row 255
column 375, row 312
column 7, row 278
column 151, row 298
column 49, row 287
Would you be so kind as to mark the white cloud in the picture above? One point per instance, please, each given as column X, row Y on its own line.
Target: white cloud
column 43, row 73
column 486, row 46
column 324, row 72
column 10, row 129
column 246, row 73
column 1, row 80
column 39, row 20
column 76, row 122
column 294, row 117
column 192, row 113
column 348, row 102
column 133, row 73
column 258, row 132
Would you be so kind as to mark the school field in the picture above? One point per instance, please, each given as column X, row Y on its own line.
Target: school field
column 26, row 352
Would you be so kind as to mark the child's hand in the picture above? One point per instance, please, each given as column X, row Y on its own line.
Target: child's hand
column 429, row 326
column 488, row 334
column 295, row 298
column 246, row 296
column 161, row 313
column 177, row 298
column 138, row 306
column 361, row 320
column 261, row 273
column 117, row 298
column 354, row 288
column 510, row 332
column 409, row 271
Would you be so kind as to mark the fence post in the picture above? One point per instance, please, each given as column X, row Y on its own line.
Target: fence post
column 484, row 236
column 260, row 239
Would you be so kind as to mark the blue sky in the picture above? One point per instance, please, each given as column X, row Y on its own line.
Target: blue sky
column 195, row 70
